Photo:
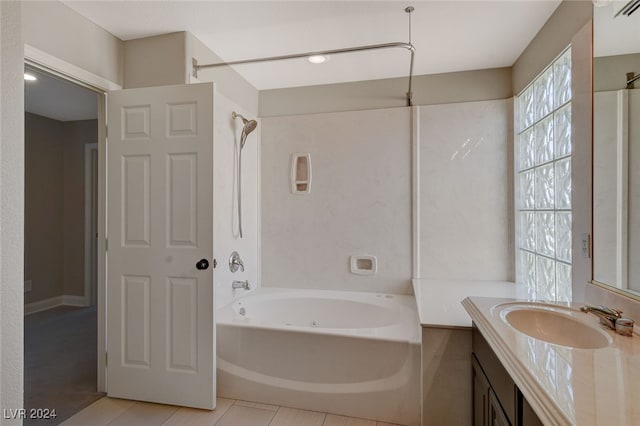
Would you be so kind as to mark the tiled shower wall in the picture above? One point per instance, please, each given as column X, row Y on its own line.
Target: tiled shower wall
column 360, row 200
column 465, row 192
column 359, row 204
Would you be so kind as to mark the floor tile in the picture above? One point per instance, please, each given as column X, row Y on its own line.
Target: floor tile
column 239, row 415
column 145, row 413
column 294, row 417
column 195, row 417
column 334, row 420
column 100, row 412
column 257, row 405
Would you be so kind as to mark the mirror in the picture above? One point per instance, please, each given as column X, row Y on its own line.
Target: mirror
column 616, row 145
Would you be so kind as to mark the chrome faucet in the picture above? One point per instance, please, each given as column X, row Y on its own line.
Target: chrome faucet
column 611, row 318
column 241, row 284
column 235, row 262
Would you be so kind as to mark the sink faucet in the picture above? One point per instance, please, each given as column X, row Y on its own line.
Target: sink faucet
column 611, row 318
column 241, row 284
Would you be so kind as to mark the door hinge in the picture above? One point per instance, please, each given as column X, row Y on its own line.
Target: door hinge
column 106, row 244
column 106, row 131
column 106, row 359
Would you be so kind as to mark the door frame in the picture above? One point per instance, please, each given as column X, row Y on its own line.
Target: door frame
column 63, row 69
column 89, row 292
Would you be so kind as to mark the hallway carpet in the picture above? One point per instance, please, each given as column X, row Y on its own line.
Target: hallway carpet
column 60, row 357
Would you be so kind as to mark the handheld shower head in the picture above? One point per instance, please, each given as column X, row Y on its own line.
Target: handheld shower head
column 249, row 126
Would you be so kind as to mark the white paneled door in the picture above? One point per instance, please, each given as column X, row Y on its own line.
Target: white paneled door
column 160, row 325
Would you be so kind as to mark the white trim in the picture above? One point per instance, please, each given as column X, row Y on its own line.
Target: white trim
column 415, row 176
column 42, row 305
column 622, row 183
column 259, row 205
column 88, row 235
column 101, row 298
column 53, row 302
column 58, row 65
column 69, row 300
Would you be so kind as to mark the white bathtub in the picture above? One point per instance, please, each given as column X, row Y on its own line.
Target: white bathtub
column 356, row 354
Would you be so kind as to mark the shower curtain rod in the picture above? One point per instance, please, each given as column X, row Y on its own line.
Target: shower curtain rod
column 408, row 46
column 631, row 79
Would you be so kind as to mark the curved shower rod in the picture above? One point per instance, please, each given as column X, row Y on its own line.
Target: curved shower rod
column 410, row 47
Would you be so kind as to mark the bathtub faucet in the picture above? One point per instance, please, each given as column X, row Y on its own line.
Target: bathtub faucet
column 241, row 284
column 235, row 262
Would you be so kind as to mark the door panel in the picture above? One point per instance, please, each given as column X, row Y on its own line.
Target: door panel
column 160, row 324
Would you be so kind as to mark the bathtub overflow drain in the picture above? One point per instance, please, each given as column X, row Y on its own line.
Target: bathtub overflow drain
column 314, row 323
column 243, row 311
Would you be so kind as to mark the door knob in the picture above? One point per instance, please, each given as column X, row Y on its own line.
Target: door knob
column 202, row 264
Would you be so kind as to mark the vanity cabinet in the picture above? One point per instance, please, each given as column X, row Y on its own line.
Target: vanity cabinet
column 497, row 401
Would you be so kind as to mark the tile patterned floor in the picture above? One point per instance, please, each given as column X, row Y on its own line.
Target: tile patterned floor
column 113, row 411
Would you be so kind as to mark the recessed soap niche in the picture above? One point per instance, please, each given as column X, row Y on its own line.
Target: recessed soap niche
column 364, row 264
column 301, row 173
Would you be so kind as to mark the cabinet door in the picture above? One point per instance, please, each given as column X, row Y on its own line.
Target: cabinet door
column 480, row 395
column 526, row 415
column 496, row 415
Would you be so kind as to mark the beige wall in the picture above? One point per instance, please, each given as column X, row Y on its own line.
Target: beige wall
column 167, row 59
column 551, row 40
column 54, row 221
column 432, row 89
column 76, row 135
column 44, row 143
column 155, row 61
column 53, row 28
column 11, row 208
column 610, row 72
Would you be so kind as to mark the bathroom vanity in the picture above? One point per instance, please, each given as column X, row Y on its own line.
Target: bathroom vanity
column 568, row 371
column 496, row 398
column 589, row 376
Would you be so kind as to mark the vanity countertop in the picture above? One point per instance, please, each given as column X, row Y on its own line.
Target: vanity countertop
column 439, row 301
column 565, row 385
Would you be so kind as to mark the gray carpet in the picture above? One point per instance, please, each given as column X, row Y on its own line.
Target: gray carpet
column 60, row 361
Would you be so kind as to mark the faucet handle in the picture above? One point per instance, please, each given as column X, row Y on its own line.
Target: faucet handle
column 624, row 326
column 617, row 311
column 235, row 262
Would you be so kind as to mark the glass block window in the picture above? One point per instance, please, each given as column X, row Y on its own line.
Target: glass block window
column 543, row 182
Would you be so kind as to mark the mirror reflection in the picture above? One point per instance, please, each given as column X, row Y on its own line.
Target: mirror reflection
column 616, row 145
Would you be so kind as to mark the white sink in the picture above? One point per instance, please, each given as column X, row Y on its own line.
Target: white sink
column 554, row 324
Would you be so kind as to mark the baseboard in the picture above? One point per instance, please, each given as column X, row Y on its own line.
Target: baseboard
column 73, row 301
column 53, row 302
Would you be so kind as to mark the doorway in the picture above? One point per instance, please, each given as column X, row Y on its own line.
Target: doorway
column 61, row 256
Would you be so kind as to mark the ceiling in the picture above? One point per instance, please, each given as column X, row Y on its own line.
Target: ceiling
column 448, row 35
column 58, row 99
column 615, row 36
